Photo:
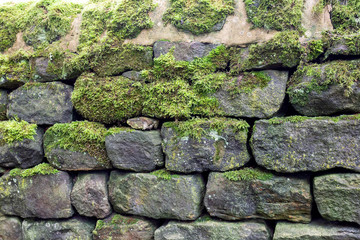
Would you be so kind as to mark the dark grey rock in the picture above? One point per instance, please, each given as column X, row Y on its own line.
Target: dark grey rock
column 42, row 103
column 3, row 104
column 275, row 198
column 42, row 72
column 73, row 228
column 337, row 197
column 10, row 228
column 143, row 123
column 144, row 194
column 90, row 195
column 184, row 51
column 135, row 150
column 298, row 143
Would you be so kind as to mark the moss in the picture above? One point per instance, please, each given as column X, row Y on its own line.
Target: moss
column 41, row 169
column 299, row 119
column 164, row 174
column 198, row 16
column 275, row 14
column 204, row 218
column 115, row 130
column 341, row 43
column 12, row 131
column 118, row 219
column 248, row 174
column 315, row 49
column 345, row 14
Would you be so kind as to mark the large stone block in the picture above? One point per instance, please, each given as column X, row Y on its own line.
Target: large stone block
column 298, row 143
column 249, row 193
column 10, row 228
column 157, row 195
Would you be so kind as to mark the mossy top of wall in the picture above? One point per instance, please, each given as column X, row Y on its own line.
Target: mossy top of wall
column 15, row 131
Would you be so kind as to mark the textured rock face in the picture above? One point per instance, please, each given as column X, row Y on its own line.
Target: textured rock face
column 143, row 123
column 135, row 150
column 74, row 228
column 343, row 45
column 276, row 198
column 41, row 68
column 26, row 153
column 337, row 197
column 213, row 230
column 306, row 144
column 42, row 103
column 121, row 227
column 3, row 104
column 90, row 195
column 317, row 230
column 41, row 196
column 177, row 197
column 261, row 102
column 10, row 228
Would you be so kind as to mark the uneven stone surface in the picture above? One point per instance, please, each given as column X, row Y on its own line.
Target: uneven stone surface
column 276, row 198
column 73, row 228
column 176, row 197
column 121, row 227
column 337, row 197
column 133, row 75
column 135, row 150
column 42, row 103
column 213, row 230
column 260, row 102
column 90, row 195
column 26, row 153
column 41, row 65
column 3, row 104
column 343, row 45
column 317, row 230
column 297, row 143
column 10, row 228
column 143, row 123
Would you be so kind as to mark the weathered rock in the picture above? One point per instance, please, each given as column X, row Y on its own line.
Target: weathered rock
column 214, row 150
column 134, row 150
column 121, row 227
column 90, row 195
column 41, row 192
column 15, row 71
column 163, row 196
column 10, row 228
column 317, row 230
column 143, row 123
column 337, row 197
column 272, row 198
column 184, row 51
column 213, row 230
column 133, row 75
column 298, row 143
column 326, row 89
column 342, row 45
column 73, row 228
column 42, row 72
column 260, row 102
column 3, row 104
column 42, row 103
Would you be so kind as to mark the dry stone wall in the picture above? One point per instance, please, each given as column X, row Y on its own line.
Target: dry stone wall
column 180, row 119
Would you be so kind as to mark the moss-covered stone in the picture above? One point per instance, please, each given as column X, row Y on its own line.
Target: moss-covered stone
column 340, row 43
column 248, row 174
column 42, row 169
column 3, row 104
column 344, row 14
column 15, row 131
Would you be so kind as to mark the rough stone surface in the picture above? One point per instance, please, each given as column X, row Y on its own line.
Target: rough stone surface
column 10, row 228
column 306, row 145
column 179, row 197
column 133, row 75
column 343, row 45
column 24, row 154
column 260, row 102
column 337, row 197
column 277, row 198
column 121, row 227
column 143, row 123
column 135, row 150
column 213, row 230
column 74, row 228
column 41, row 70
column 317, row 230
column 184, row 51
column 90, row 195
column 42, row 103
column 41, row 196
column 3, row 104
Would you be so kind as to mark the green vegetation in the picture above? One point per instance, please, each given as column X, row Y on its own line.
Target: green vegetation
column 248, row 174
column 198, row 16
column 41, row 169
column 164, row 174
column 115, row 130
column 315, row 49
column 12, row 131
column 350, row 42
column 275, row 14
column 299, row 119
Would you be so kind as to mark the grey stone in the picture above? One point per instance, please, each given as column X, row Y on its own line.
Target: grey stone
column 73, row 228
column 10, row 228
column 317, row 230
column 133, row 75
column 337, row 197
column 297, row 143
column 144, row 194
column 213, row 230
column 42, row 72
column 143, row 123
column 135, row 150
column 42, row 103
column 275, row 198
column 3, row 104
column 184, row 51
column 90, row 195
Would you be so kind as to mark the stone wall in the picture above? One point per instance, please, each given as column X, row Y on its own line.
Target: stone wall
column 180, row 119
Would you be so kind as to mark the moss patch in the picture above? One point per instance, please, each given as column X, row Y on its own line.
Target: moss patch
column 341, row 43
column 248, row 174
column 299, row 119
column 16, row 131
column 41, row 169
column 115, row 130
column 164, row 174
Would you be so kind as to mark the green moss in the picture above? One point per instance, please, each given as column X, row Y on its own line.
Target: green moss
column 275, row 14
column 16, row 131
column 299, row 119
column 164, row 174
column 315, row 49
column 248, row 174
column 198, row 16
column 119, row 219
column 41, row 169
column 115, row 130
column 350, row 43
column 346, row 16
column 204, row 218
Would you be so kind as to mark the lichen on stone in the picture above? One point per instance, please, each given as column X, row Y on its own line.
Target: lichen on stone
column 41, row 169
column 12, row 131
column 248, row 174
